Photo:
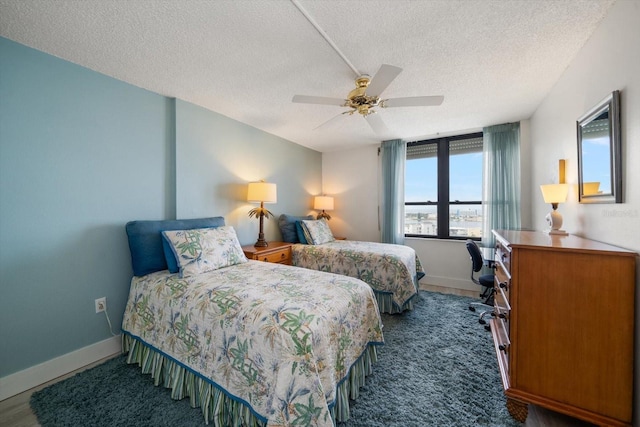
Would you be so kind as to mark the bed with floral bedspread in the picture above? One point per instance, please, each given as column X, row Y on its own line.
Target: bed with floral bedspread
column 252, row 343
column 392, row 271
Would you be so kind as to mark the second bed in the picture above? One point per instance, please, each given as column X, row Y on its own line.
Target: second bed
column 392, row 271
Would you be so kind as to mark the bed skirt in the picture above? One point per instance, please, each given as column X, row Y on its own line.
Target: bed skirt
column 387, row 305
column 219, row 407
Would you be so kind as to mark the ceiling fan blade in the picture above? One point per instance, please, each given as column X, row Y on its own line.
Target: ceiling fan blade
column 413, row 101
column 377, row 125
column 304, row 99
column 331, row 120
column 383, row 78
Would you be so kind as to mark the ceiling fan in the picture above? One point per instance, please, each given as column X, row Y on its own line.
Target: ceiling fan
column 365, row 98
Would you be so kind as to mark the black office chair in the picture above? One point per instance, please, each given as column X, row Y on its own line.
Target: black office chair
column 485, row 280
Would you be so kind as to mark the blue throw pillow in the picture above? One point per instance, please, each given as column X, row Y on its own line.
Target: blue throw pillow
column 147, row 246
column 287, row 224
column 300, row 232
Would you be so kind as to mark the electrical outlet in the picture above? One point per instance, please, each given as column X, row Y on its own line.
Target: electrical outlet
column 101, row 304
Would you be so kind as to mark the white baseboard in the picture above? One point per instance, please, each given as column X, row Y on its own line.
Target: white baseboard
column 51, row 369
column 448, row 282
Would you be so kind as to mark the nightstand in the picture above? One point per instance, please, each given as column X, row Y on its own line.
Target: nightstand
column 276, row 252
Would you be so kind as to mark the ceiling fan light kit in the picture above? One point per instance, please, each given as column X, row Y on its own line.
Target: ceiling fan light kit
column 358, row 100
column 366, row 96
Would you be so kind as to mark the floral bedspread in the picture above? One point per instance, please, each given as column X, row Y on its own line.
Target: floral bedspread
column 385, row 267
column 277, row 338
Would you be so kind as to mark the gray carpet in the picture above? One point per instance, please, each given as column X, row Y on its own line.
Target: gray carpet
column 437, row 368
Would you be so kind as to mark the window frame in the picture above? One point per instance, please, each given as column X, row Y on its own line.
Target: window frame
column 443, row 203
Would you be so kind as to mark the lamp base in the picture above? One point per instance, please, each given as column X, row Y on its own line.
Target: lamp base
column 261, row 244
column 324, row 215
column 554, row 219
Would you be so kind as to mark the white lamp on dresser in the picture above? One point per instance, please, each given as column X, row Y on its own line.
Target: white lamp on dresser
column 555, row 194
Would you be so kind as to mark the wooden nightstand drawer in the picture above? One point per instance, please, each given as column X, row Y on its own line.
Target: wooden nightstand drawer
column 282, row 256
column 276, row 252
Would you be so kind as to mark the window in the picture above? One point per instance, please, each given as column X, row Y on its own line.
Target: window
column 443, row 188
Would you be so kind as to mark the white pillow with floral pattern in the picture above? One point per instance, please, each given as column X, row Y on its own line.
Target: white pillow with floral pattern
column 205, row 249
column 317, row 232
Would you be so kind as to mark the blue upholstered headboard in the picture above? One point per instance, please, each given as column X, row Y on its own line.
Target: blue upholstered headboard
column 146, row 242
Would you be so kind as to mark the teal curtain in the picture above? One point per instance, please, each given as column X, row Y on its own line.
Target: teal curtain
column 394, row 156
column 501, row 174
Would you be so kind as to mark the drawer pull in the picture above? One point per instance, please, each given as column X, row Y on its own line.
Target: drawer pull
column 503, row 285
column 503, row 347
column 282, row 256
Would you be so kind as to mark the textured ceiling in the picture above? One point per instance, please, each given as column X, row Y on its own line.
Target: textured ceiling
column 493, row 60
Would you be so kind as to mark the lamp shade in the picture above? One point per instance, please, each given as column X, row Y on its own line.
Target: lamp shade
column 262, row 192
column 590, row 188
column 555, row 193
column 323, row 203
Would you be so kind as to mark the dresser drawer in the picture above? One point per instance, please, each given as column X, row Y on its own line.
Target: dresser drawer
column 281, row 256
column 502, row 281
column 501, row 343
column 502, row 309
column 503, row 257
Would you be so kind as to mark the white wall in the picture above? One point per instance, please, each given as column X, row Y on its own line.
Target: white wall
column 351, row 176
column 609, row 60
column 446, row 262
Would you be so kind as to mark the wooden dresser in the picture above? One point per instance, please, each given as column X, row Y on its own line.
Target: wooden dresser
column 564, row 325
column 278, row 252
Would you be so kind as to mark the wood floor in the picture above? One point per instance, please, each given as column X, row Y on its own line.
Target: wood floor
column 16, row 412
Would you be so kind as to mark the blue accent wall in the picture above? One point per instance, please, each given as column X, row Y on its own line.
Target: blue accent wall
column 80, row 155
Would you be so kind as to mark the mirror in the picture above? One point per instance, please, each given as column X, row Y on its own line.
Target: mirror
column 599, row 153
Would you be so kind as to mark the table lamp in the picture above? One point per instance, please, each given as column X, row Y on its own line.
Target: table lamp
column 262, row 192
column 555, row 194
column 324, row 203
